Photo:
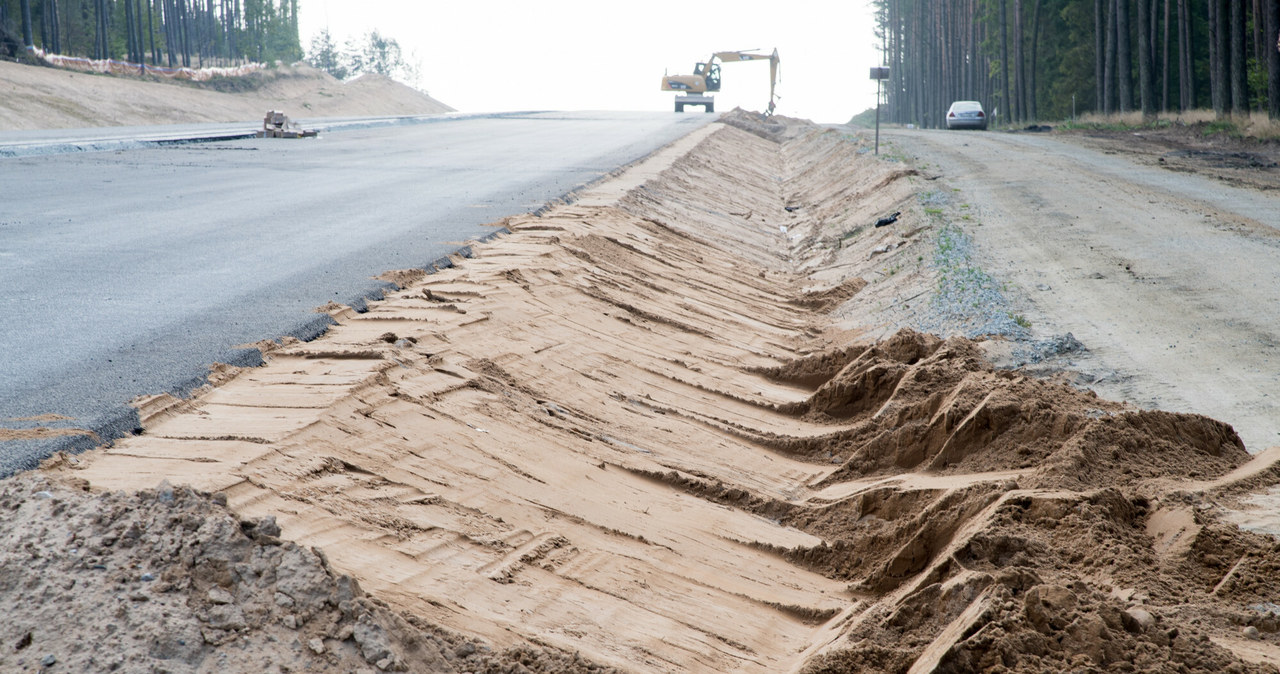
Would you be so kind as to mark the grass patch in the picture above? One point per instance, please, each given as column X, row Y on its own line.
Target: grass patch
column 1223, row 126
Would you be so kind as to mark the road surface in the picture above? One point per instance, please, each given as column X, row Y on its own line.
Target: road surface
column 129, row 272
column 1168, row 279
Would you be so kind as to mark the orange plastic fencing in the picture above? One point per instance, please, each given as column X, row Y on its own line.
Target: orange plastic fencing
column 114, row 67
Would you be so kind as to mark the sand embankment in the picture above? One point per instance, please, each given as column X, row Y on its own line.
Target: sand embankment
column 35, row 97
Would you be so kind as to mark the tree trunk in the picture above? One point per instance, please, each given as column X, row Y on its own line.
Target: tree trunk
column 1164, row 79
column 1271, row 18
column 1220, row 48
column 28, row 39
column 1186, row 78
column 151, row 33
column 1032, row 111
column 1099, row 56
column 1146, row 69
column 131, row 40
column 1239, row 67
column 1109, row 73
column 1019, row 108
column 1124, row 56
column 55, row 17
column 1004, row 61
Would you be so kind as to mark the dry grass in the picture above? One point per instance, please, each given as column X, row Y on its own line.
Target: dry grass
column 1256, row 125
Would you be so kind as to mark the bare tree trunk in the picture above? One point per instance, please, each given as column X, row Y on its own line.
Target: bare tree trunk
column 1124, row 56
column 1032, row 111
column 1239, row 68
column 131, row 43
column 1220, row 58
column 1146, row 69
column 1164, row 79
column 1019, row 108
column 1004, row 61
column 1186, row 76
column 1271, row 19
column 1099, row 56
column 151, row 32
column 28, row 39
column 1109, row 74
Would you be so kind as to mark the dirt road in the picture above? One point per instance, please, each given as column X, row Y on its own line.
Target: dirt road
column 1167, row 278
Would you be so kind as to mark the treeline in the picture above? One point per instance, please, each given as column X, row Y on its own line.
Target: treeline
column 188, row 33
column 1052, row 59
column 372, row 53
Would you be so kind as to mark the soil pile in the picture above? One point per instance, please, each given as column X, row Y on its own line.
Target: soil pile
column 37, row 97
column 652, row 428
column 168, row 579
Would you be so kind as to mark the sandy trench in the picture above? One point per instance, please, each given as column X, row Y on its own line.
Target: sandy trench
column 634, row 431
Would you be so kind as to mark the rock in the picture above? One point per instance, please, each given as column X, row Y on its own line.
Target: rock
column 290, row 621
column 218, row 595
column 48, row 660
column 316, row 645
column 1049, row 607
column 1252, row 633
column 267, row 526
column 372, row 639
column 465, row 649
column 1137, row 620
column 283, row 600
column 226, row 617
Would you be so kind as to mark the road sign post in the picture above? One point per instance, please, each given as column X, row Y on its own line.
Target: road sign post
column 879, row 74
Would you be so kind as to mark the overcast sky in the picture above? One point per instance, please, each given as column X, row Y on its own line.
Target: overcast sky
column 492, row 55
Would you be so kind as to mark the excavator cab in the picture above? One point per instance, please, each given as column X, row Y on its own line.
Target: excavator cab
column 710, row 73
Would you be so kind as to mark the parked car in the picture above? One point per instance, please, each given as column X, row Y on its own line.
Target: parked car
column 966, row 115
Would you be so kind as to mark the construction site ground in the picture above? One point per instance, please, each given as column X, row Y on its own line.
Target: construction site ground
column 692, row 420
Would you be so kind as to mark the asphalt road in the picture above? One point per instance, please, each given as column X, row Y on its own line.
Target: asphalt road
column 128, row 272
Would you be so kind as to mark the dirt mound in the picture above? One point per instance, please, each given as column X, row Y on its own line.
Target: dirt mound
column 917, row 402
column 168, row 578
column 39, row 97
column 777, row 128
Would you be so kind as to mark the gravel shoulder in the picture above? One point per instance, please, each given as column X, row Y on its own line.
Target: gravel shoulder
column 1162, row 275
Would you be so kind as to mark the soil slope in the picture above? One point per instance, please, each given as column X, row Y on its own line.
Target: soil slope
column 36, row 97
column 633, row 432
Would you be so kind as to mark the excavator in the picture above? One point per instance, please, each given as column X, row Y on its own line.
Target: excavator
column 706, row 77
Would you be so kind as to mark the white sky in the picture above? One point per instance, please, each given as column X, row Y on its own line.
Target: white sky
column 496, row 55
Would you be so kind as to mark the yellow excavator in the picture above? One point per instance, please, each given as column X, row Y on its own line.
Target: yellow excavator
column 706, row 77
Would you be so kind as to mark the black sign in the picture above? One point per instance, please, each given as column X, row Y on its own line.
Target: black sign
column 880, row 73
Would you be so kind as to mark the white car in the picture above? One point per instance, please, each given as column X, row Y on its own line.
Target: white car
column 966, row 115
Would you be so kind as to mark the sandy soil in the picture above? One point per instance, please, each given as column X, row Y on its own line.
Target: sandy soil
column 35, row 97
column 653, row 429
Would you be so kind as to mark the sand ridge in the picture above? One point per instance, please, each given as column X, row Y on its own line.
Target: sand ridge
column 37, row 97
column 633, row 430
